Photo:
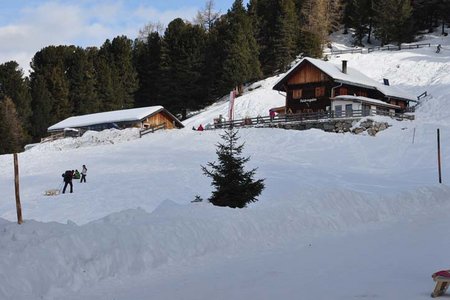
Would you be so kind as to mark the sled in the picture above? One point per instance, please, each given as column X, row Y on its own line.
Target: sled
column 52, row 192
column 442, row 279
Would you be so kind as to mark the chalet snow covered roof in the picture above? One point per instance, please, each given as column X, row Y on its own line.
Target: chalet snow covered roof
column 352, row 77
column 125, row 115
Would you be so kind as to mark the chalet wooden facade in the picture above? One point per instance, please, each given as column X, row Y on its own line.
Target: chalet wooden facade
column 144, row 117
column 312, row 84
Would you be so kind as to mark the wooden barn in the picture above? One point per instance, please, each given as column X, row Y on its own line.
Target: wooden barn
column 312, row 85
column 143, row 118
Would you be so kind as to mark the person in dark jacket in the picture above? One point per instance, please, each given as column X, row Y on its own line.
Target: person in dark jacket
column 68, row 175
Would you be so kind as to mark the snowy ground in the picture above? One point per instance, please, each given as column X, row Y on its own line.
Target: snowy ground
column 342, row 216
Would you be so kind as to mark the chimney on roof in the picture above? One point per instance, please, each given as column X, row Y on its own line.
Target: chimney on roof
column 344, row 66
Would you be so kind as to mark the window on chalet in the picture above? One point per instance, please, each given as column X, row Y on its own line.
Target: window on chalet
column 348, row 110
column 338, row 110
column 320, row 91
column 297, row 94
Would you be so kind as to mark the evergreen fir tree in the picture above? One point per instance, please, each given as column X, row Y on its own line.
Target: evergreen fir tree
column 286, row 26
column 241, row 63
column 393, row 24
column 11, row 132
column 214, row 56
column 81, row 77
column 104, row 79
column 234, row 187
column 182, row 66
column 124, row 75
column 360, row 19
column 15, row 86
column 49, row 65
column 147, row 61
column 41, row 105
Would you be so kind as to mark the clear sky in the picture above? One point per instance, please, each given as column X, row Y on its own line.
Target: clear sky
column 26, row 26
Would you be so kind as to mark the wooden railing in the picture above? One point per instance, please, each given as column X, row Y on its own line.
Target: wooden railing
column 378, row 48
column 151, row 129
column 53, row 137
column 266, row 121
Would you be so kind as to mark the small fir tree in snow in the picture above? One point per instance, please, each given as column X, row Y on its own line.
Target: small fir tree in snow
column 234, row 187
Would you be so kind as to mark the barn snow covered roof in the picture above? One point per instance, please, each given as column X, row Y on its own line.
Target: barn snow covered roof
column 352, row 77
column 125, row 115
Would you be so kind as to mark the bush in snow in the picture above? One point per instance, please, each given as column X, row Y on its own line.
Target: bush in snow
column 233, row 186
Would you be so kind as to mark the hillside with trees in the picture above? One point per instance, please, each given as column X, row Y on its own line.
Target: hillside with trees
column 191, row 64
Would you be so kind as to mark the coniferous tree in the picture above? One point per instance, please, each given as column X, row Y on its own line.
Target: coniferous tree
column 182, row 66
column 11, row 132
column 234, row 187
column 263, row 14
column 49, row 65
column 81, row 77
column 104, row 79
column 117, row 79
column 41, row 105
column 285, row 44
column 147, row 61
column 360, row 19
column 241, row 62
column 276, row 26
column 394, row 24
column 214, row 56
column 15, row 86
column 125, row 75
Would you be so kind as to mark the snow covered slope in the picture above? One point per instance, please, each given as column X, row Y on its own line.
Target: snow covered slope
column 335, row 206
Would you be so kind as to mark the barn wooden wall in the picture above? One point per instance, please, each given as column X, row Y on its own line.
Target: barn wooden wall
column 160, row 118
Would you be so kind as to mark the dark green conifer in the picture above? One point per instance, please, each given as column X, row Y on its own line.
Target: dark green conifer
column 14, row 85
column 234, row 187
column 147, row 61
column 11, row 132
column 182, row 66
column 241, row 62
column 393, row 24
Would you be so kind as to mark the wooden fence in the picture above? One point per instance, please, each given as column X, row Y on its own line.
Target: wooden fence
column 53, row 137
column 266, row 121
column 378, row 48
column 151, row 129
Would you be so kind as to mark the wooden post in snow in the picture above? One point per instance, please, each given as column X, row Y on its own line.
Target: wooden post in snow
column 414, row 135
column 439, row 155
column 16, row 181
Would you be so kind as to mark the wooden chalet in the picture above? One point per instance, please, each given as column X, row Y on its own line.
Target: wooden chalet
column 312, row 85
column 143, row 118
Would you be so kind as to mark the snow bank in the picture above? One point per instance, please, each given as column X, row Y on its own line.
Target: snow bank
column 89, row 138
column 44, row 260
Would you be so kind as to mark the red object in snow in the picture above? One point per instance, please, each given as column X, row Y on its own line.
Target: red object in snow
column 200, row 128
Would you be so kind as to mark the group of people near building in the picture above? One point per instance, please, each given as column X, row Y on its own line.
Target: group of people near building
column 69, row 175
